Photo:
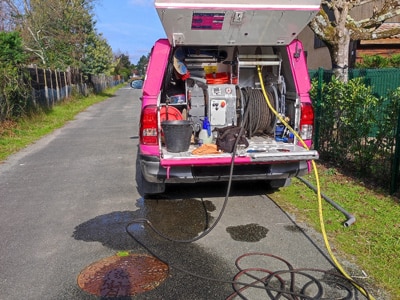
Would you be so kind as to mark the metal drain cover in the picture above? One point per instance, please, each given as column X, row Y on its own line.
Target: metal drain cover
column 123, row 275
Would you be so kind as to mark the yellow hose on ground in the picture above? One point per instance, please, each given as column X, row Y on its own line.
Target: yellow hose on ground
column 321, row 217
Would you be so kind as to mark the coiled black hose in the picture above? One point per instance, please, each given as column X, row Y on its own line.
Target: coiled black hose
column 293, row 284
column 260, row 118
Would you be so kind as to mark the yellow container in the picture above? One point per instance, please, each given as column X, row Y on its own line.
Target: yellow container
column 210, row 69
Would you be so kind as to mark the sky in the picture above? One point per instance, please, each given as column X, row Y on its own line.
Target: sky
column 130, row 26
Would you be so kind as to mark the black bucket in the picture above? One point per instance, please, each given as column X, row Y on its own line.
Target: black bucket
column 177, row 134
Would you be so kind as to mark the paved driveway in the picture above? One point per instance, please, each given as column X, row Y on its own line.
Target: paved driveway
column 67, row 199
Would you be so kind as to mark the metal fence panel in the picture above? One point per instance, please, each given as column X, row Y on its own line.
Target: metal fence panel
column 384, row 169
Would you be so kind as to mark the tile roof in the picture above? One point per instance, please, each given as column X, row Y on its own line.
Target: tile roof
column 389, row 26
column 395, row 39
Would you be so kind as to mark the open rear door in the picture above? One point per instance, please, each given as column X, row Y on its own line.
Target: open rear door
column 235, row 22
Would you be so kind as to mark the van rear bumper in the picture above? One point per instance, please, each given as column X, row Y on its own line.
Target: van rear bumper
column 154, row 172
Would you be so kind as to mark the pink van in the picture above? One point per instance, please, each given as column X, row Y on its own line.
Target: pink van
column 214, row 89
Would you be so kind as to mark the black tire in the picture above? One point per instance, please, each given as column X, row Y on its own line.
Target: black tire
column 278, row 183
column 151, row 189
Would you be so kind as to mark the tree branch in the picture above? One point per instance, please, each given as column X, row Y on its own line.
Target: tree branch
column 376, row 21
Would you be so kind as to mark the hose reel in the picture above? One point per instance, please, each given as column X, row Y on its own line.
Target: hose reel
column 260, row 119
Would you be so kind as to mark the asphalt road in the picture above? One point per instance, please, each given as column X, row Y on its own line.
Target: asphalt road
column 67, row 199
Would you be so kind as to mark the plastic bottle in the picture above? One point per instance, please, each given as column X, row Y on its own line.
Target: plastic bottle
column 205, row 133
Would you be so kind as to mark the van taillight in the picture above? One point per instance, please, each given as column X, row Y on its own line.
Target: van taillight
column 306, row 121
column 148, row 126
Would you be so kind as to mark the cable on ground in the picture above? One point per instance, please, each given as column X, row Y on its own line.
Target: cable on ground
column 291, row 283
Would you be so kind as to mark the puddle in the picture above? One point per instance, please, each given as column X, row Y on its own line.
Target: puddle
column 178, row 219
column 247, row 233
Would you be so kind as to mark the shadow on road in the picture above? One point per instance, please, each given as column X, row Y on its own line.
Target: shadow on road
column 170, row 217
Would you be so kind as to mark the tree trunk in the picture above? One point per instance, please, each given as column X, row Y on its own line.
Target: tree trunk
column 340, row 55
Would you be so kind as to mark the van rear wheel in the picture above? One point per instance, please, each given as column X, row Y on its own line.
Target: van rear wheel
column 150, row 189
column 278, row 183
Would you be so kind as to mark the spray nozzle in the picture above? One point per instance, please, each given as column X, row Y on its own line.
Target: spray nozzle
column 207, row 126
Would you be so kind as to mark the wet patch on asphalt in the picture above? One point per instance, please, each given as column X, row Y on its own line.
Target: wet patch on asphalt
column 177, row 219
column 108, row 229
column 247, row 233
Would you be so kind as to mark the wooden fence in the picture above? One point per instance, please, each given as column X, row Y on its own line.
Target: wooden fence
column 52, row 86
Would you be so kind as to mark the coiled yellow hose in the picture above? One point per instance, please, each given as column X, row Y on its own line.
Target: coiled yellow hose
column 320, row 210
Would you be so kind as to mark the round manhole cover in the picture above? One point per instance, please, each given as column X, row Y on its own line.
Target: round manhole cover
column 123, row 275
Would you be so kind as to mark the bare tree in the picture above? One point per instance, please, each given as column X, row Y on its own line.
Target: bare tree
column 335, row 26
column 6, row 22
column 54, row 31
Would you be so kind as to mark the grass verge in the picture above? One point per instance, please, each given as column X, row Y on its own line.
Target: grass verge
column 372, row 242
column 16, row 135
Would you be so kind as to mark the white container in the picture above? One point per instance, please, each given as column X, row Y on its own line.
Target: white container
column 204, row 138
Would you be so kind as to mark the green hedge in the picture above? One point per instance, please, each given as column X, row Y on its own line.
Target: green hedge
column 357, row 123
